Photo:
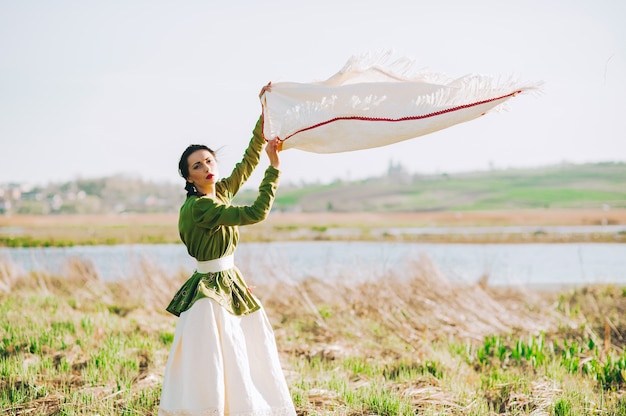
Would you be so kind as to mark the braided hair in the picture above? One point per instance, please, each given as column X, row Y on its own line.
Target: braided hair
column 183, row 166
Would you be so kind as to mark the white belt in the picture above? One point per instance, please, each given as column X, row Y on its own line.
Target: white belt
column 216, row 265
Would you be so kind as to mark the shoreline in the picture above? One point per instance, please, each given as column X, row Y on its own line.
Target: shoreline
column 470, row 227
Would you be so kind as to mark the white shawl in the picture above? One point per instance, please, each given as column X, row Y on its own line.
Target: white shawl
column 370, row 103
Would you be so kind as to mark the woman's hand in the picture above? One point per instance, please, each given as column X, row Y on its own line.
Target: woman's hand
column 272, row 150
column 265, row 88
column 273, row 146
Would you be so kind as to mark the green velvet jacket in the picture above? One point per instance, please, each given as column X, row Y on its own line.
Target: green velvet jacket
column 209, row 229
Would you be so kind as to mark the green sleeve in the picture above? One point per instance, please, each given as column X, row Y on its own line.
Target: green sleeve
column 242, row 170
column 209, row 213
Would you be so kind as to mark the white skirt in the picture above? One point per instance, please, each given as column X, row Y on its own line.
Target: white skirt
column 221, row 364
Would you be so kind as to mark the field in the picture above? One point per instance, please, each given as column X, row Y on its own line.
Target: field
column 63, row 230
column 74, row 345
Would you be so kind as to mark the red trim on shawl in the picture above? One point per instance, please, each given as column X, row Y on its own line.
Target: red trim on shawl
column 409, row 118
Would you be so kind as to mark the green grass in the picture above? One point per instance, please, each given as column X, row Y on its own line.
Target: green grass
column 546, row 198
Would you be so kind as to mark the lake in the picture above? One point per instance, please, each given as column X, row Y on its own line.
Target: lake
column 505, row 264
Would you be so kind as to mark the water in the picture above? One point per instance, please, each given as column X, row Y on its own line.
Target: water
column 508, row 230
column 505, row 264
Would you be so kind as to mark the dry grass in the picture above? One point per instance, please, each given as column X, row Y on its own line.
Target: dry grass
column 426, row 305
column 413, row 219
column 422, row 308
column 453, row 219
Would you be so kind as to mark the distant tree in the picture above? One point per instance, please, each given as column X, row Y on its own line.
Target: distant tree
column 33, row 207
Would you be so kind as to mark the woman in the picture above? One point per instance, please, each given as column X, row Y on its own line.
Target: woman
column 224, row 359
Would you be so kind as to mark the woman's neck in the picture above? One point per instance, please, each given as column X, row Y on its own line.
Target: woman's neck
column 207, row 191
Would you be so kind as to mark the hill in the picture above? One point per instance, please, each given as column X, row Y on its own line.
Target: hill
column 563, row 186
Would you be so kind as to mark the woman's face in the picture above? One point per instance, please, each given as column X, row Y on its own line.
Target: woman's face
column 203, row 171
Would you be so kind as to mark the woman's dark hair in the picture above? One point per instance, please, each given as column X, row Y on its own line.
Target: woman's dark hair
column 183, row 166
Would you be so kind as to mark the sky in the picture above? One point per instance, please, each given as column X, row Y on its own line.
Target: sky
column 97, row 88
